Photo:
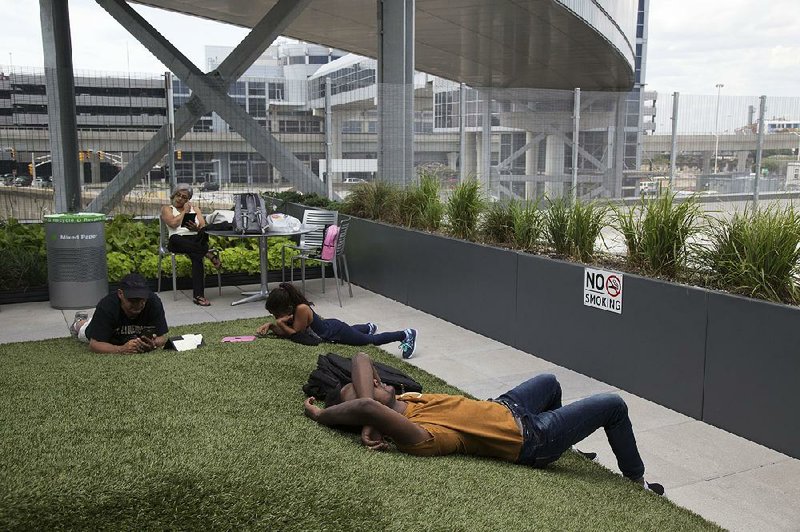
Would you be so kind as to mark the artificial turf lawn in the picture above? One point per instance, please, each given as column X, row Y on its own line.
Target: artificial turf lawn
column 215, row 438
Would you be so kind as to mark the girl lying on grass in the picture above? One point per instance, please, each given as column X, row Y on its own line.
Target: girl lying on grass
column 293, row 314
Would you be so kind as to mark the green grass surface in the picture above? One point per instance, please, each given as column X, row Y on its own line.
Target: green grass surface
column 216, row 439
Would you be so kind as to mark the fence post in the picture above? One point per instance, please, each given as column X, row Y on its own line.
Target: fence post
column 462, row 132
column 576, row 115
column 673, row 156
column 762, row 108
column 173, row 178
column 328, row 137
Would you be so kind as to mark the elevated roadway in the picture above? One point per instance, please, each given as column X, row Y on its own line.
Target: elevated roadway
column 483, row 43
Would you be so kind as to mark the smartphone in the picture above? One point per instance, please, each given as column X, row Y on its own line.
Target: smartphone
column 189, row 217
column 148, row 331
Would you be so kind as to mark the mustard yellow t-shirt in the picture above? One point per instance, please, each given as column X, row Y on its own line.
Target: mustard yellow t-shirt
column 464, row 426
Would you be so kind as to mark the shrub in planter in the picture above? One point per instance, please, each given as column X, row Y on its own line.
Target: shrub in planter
column 376, row 200
column 527, row 224
column 498, row 222
column 420, row 206
column 756, row 253
column 587, row 220
column 657, row 231
column 557, row 225
column 573, row 228
column 463, row 209
column 24, row 256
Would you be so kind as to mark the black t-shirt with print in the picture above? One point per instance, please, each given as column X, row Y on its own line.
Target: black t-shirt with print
column 110, row 324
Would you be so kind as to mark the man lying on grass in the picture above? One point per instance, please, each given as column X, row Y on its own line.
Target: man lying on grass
column 130, row 320
column 527, row 425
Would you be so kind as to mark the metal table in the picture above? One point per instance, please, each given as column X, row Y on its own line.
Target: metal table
column 263, row 239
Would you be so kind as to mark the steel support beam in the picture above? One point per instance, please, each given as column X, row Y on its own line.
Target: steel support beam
column 252, row 46
column 396, row 90
column 57, row 47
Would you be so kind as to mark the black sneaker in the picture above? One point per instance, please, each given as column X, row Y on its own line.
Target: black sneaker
column 658, row 489
column 588, row 456
column 408, row 345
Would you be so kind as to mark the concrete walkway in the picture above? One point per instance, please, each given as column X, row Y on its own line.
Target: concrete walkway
column 736, row 483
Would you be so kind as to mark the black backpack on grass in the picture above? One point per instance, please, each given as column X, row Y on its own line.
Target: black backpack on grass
column 334, row 371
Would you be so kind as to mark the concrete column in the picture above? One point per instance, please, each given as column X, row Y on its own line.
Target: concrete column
column 485, row 155
column 470, row 161
column 452, row 160
column 706, row 157
column 336, row 144
column 554, row 166
column 63, row 126
column 94, row 160
column 395, row 52
column 531, row 166
column 741, row 161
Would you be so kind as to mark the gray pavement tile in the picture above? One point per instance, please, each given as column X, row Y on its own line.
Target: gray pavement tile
column 764, row 498
column 504, row 362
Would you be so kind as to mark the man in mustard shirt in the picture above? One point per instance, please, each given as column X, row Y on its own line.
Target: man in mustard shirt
column 527, row 425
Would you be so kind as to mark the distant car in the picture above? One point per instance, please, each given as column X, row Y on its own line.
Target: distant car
column 23, row 181
column 208, row 186
column 7, row 179
column 353, row 180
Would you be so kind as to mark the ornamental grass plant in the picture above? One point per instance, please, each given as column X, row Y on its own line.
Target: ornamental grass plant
column 556, row 222
column 420, row 205
column 755, row 253
column 527, row 224
column 572, row 228
column 586, row 221
column 497, row 225
column 374, row 200
column 463, row 209
column 657, row 232
column 216, row 439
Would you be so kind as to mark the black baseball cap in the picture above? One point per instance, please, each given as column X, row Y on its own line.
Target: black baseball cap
column 134, row 286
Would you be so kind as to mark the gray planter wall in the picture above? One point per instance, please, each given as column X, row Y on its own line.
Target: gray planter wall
column 654, row 349
column 753, row 371
column 729, row 361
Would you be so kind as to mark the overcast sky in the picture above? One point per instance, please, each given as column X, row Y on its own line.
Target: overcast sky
column 752, row 47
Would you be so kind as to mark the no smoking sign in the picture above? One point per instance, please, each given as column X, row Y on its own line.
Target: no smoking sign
column 602, row 289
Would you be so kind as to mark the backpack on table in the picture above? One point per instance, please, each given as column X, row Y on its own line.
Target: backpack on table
column 249, row 213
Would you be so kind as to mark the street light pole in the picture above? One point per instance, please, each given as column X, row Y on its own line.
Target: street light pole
column 798, row 144
column 716, row 127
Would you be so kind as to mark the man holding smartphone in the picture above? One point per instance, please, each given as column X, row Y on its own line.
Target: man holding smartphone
column 130, row 320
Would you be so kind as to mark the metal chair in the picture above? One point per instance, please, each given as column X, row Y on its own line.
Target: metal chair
column 163, row 250
column 339, row 260
column 310, row 243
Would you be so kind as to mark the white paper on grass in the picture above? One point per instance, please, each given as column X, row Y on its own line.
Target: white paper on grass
column 187, row 342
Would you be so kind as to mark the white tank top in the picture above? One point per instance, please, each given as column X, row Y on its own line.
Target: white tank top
column 180, row 230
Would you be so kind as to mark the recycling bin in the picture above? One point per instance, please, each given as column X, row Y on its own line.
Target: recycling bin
column 77, row 270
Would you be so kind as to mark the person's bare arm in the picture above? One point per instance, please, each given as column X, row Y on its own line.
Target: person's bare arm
column 171, row 220
column 300, row 321
column 360, row 412
column 135, row 345
column 364, row 376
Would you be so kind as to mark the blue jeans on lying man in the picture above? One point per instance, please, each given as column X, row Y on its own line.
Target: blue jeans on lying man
column 549, row 428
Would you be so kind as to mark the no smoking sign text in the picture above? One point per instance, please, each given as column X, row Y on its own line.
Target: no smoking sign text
column 602, row 289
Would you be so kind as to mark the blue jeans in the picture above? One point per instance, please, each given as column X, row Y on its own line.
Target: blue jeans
column 549, row 428
column 333, row 330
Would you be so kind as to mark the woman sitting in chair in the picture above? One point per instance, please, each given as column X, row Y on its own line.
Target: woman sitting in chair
column 185, row 224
